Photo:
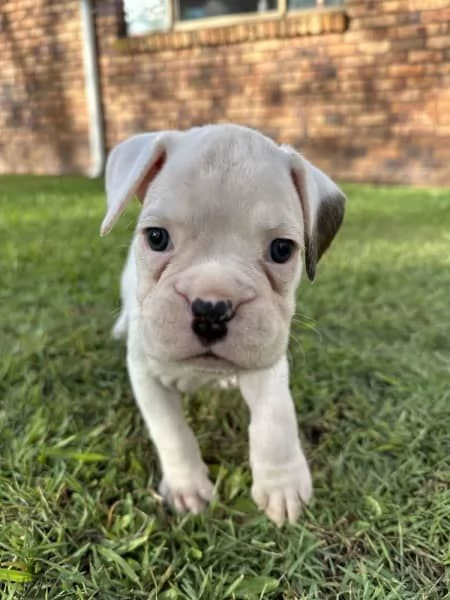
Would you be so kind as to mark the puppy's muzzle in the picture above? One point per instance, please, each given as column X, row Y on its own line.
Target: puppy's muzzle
column 210, row 319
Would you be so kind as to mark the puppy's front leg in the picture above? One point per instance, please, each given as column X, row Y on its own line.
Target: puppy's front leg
column 185, row 483
column 281, row 477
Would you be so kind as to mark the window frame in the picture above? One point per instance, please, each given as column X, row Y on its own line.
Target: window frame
column 176, row 25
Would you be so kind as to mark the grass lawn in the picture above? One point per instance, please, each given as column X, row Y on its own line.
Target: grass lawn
column 370, row 359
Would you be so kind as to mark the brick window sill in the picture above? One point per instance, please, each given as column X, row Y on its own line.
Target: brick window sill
column 294, row 24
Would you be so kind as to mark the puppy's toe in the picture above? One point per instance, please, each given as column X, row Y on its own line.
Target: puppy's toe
column 188, row 497
column 276, row 508
column 294, row 505
column 260, row 496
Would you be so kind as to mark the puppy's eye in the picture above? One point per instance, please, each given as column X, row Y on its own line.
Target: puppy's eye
column 281, row 250
column 158, row 238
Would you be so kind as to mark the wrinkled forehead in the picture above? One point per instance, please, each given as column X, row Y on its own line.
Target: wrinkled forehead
column 237, row 187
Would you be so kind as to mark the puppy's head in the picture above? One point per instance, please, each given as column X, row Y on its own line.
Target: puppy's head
column 228, row 218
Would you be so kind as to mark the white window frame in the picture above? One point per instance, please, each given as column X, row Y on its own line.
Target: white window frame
column 174, row 24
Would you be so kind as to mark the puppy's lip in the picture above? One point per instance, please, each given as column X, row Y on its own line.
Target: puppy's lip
column 209, row 360
column 208, row 354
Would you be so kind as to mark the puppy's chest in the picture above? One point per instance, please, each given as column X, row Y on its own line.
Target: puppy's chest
column 185, row 379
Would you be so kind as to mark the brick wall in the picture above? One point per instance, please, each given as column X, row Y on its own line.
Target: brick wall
column 43, row 116
column 368, row 103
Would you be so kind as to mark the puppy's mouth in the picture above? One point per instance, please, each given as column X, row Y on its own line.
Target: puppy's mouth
column 211, row 361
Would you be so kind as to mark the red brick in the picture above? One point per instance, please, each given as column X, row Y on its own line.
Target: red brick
column 421, row 56
column 442, row 41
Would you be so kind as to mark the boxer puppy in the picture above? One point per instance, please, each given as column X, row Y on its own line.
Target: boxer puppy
column 228, row 220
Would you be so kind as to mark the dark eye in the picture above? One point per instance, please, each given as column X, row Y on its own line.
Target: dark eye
column 158, row 238
column 281, row 250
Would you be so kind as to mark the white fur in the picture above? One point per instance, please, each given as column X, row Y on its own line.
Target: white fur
column 223, row 193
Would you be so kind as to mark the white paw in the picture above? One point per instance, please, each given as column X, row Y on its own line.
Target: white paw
column 281, row 492
column 192, row 495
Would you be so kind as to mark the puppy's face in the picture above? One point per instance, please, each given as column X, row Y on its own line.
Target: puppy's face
column 220, row 243
column 218, row 227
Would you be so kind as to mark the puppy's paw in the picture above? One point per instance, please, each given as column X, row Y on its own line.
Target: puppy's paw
column 187, row 496
column 281, row 492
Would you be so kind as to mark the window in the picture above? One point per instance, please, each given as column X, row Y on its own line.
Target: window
column 146, row 16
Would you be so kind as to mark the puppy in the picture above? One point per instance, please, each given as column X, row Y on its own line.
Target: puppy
column 209, row 289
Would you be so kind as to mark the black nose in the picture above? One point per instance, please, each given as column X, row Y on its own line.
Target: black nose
column 210, row 319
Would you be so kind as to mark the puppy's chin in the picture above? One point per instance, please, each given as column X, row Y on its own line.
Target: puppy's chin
column 211, row 362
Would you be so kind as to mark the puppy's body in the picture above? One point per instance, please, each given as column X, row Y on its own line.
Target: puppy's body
column 208, row 292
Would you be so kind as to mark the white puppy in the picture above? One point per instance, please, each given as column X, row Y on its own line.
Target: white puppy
column 209, row 291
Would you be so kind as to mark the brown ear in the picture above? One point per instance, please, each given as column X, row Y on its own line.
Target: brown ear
column 323, row 206
column 130, row 168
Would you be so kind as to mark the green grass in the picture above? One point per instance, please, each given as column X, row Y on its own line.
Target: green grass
column 370, row 359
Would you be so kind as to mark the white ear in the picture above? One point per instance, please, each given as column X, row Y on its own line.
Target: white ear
column 323, row 206
column 130, row 167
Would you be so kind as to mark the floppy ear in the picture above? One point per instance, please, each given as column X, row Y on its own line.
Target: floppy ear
column 323, row 206
column 130, row 168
